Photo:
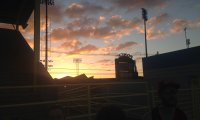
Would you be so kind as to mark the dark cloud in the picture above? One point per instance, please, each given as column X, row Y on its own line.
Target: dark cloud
column 159, row 19
column 125, row 45
column 137, row 4
column 83, row 22
column 179, row 24
column 60, row 34
column 118, row 22
column 55, row 14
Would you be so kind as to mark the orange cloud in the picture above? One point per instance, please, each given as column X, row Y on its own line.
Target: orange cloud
column 154, row 34
column 85, row 49
column 105, row 50
column 102, row 18
column 83, row 22
column 80, row 9
column 70, row 44
column 106, row 62
column 114, row 28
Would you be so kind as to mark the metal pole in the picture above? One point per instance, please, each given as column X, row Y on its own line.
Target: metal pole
column 145, row 32
column 77, row 61
column 46, row 46
column 185, row 33
column 36, row 39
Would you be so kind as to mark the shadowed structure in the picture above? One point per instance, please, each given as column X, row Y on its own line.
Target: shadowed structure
column 17, row 61
column 17, row 66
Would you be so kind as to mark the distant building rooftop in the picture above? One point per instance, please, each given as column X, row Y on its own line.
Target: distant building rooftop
column 173, row 59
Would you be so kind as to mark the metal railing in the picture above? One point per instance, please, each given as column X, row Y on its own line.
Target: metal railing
column 83, row 100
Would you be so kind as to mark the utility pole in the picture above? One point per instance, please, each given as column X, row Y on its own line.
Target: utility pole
column 77, row 61
column 46, row 40
column 145, row 18
column 36, row 39
column 46, row 2
column 187, row 40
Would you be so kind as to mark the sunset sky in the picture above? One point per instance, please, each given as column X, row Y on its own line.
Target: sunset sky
column 97, row 30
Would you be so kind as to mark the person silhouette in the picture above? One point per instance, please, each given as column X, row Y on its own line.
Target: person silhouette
column 168, row 109
column 56, row 113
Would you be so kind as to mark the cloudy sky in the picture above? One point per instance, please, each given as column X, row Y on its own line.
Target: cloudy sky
column 95, row 31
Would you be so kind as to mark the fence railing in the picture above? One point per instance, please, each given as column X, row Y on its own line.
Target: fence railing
column 83, row 100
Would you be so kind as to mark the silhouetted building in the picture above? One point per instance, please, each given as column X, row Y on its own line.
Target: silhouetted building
column 125, row 67
column 17, row 61
column 17, row 64
column 182, row 64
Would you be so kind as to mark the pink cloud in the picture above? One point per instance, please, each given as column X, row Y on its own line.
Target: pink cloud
column 125, row 45
column 178, row 25
column 154, row 34
column 198, row 23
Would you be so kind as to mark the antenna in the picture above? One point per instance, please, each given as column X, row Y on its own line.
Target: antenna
column 77, row 61
column 187, row 40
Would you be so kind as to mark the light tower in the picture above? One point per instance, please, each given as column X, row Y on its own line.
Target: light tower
column 187, row 40
column 145, row 18
column 77, row 61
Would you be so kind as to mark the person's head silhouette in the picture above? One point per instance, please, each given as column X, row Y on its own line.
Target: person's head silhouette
column 168, row 93
column 56, row 113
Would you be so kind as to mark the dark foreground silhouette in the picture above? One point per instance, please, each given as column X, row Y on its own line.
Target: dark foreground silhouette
column 111, row 112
